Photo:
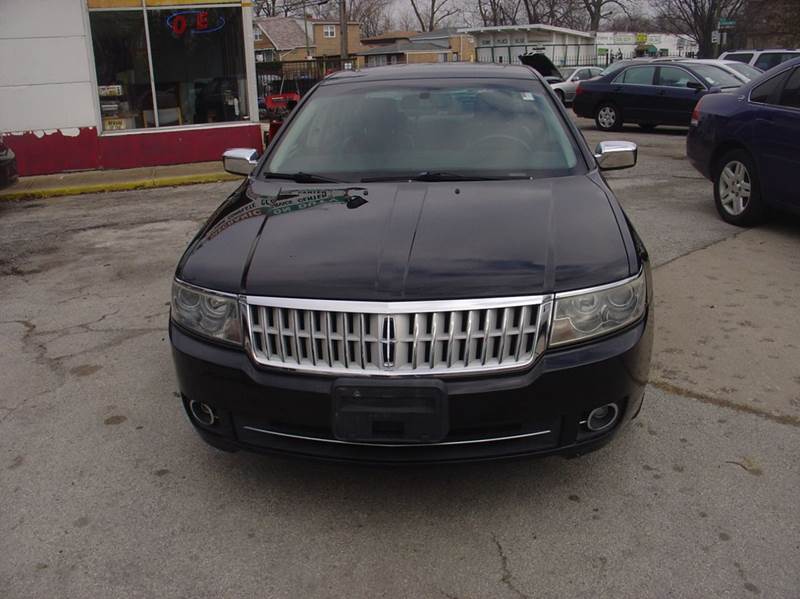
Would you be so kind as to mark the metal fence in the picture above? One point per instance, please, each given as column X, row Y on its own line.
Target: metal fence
column 569, row 55
column 294, row 75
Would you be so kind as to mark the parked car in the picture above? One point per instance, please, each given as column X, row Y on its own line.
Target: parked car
column 748, row 144
column 565, row 89
column 8, row 166
column 425, row 265
column 762, row 59
column 744, row 72
column 649, row 94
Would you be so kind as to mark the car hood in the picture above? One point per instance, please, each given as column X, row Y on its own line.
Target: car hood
column 410, row 240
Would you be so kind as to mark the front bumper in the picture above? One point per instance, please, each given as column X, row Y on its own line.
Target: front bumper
column 538, row 411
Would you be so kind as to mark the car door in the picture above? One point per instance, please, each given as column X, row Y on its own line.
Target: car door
column 572, row 84
column 677, row 93
column 783, row 130
column 633, row 92
column 775, row 138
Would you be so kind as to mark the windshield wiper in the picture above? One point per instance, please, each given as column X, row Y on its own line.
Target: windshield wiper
column 301, row 177
column 440, row 176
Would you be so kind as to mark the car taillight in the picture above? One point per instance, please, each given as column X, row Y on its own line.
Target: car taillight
column 578, row 90
column 696, row 113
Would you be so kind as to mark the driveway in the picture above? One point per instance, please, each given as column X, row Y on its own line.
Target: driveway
column 107, row 492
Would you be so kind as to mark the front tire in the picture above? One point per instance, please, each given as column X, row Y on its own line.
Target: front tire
column 608, row 117
column 737, row 194
column 560, row 95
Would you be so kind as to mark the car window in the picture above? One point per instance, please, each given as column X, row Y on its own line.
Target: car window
column 767, row 92
column 596, row 71
column 767, row 60
column 714, row 76
column 675, row 77
column 742, row 57
column 381, row 129
column 584, row 74
column 748, row 71
column 638, row 75
column 567, row 73
column 791, row 91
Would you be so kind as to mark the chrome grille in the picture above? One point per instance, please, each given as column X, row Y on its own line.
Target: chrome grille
column 399, row 337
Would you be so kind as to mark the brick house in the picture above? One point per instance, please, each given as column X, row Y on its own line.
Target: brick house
column 443, row 45
column 284, row 38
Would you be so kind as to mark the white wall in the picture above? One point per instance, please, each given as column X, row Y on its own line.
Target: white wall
column 45, row 73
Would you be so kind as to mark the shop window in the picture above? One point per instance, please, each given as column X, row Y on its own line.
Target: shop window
column 197, row 56
column 329, row 31
column 198, row 66
column 123, row 74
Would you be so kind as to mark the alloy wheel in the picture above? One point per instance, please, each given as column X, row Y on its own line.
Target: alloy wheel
column 607, row 117
column 734, row 187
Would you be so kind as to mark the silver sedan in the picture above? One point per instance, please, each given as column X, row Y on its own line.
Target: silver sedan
column 565, row 90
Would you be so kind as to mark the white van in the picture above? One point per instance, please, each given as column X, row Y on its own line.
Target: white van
column 762, row 59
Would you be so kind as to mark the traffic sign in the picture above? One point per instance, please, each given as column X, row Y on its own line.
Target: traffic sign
column 715, row 37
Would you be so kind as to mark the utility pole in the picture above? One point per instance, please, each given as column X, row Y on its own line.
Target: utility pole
column 343, row 30
column 305, row 26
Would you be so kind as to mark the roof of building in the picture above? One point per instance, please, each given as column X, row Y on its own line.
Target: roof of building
column 403, row 48
column 283, row 32
column 389, row 35
column 436, row 70
column 530, row 27
column 438, row 33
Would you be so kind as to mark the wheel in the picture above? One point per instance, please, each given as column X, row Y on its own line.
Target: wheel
column 736, row 189
column 608, row 118
column 560, row 95
column 647, row 126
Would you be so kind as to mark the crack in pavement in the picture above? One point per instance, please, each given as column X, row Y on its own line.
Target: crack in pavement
column 507, row 577
column 725, row 403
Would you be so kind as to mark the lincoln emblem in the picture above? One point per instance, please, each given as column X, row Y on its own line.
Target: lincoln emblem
column 388, row 341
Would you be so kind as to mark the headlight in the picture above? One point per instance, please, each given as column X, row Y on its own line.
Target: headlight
column 582, row 315
column 207, row 313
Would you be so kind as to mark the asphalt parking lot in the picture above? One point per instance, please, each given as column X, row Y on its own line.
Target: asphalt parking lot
column 107, row 492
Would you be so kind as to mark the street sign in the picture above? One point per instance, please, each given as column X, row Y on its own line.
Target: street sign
column 715, row 37
column 727, row 23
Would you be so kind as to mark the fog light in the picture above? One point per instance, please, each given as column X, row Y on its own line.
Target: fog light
column 202, row 412
column 602, row 418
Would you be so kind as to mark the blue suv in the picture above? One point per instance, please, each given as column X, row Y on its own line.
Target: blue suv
column 748, row 143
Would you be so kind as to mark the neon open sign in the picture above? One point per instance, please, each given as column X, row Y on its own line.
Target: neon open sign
column 193, row 21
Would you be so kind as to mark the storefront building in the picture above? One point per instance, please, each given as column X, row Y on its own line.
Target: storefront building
column 105, row 84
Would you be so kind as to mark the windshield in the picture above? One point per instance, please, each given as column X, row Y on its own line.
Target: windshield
column 715, row 77
column 744, row 69
column 457, row 127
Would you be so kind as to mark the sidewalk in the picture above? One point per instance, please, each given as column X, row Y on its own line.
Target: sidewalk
column 63, row 184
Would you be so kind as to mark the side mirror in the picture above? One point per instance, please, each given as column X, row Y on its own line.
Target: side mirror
column 240, row 161
column 696, row 86
column 613, row 155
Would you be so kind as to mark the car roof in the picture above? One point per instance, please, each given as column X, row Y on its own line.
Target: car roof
column 437, row 70
column 754, row 50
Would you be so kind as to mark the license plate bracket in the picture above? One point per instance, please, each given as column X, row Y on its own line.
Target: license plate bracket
column 389, row 412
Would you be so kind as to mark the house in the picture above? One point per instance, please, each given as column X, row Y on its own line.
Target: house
column 443, row 45
column 279, row 39
column 505, row 43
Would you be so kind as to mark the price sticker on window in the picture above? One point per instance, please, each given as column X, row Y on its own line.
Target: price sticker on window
column 528, row 96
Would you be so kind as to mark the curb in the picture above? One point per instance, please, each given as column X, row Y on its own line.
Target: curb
column 77, row 189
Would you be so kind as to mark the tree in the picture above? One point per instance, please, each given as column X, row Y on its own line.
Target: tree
column 595, row 11
column 696, row 18
column 432, row 13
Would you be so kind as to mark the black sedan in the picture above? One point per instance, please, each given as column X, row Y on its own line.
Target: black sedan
column 649, row 94
column 426, row 265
